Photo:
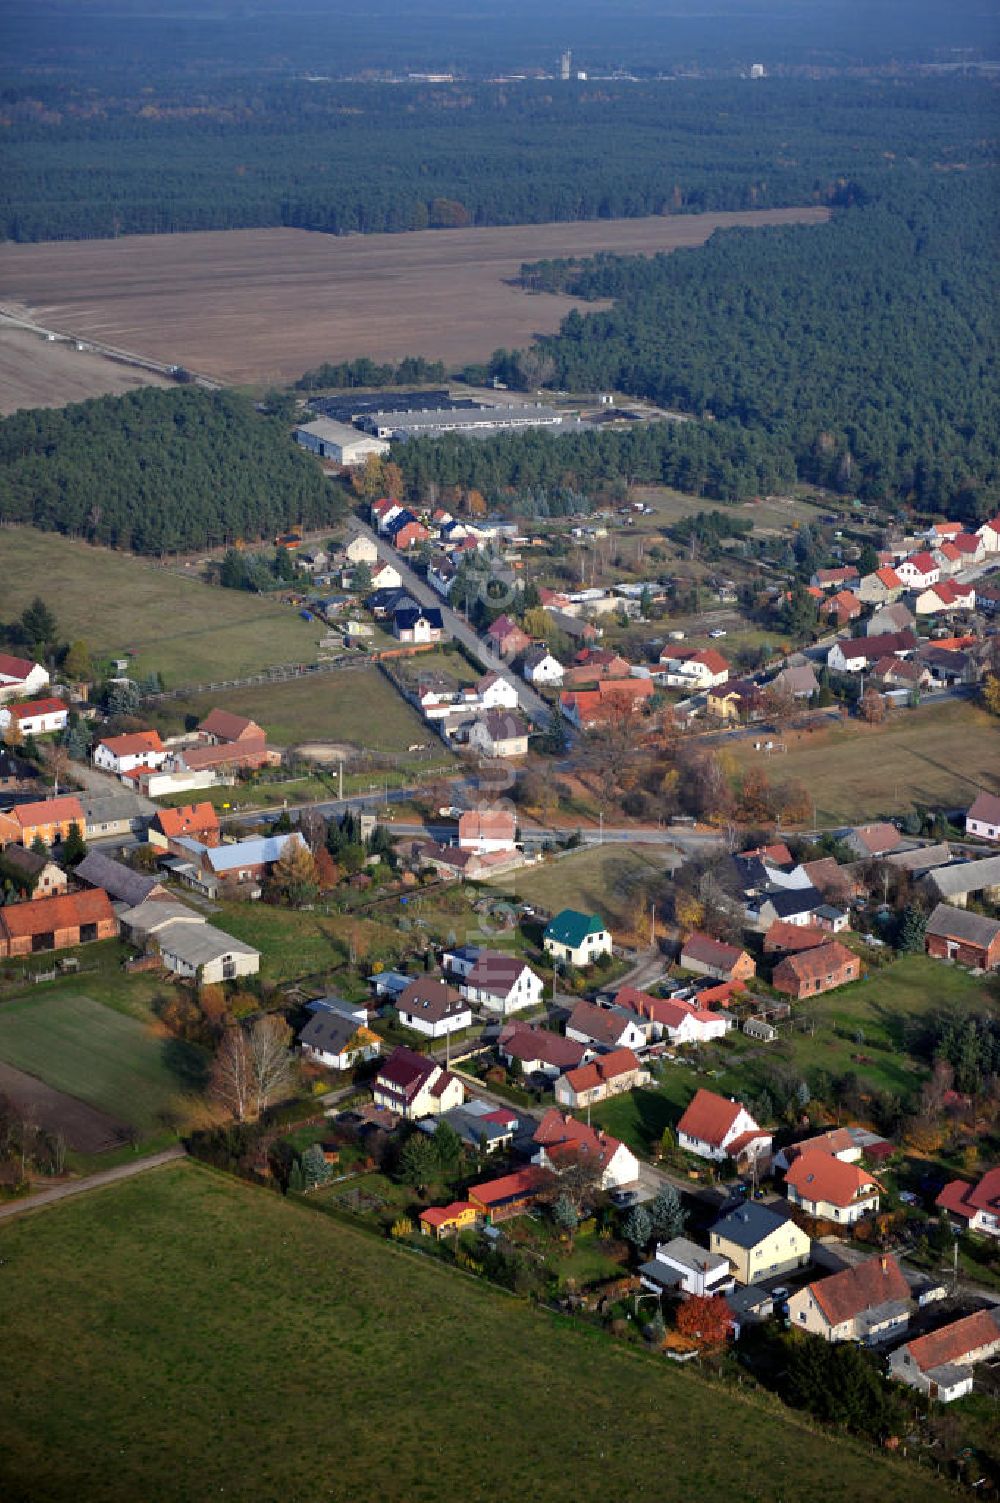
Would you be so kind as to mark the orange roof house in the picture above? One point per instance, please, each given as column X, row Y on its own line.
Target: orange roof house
column 49, row 819
column 830, row 1189
column 196, row 821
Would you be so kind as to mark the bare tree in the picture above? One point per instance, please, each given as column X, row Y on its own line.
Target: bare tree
column 270, row 1060
column 232, row 1080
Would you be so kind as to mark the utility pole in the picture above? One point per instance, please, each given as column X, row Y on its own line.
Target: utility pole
column 340, row 770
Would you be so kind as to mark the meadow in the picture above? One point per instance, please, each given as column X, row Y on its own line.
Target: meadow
column 938, row 755
column 120, row 605
column 596, row 879
column 183, row 1336
column 356, row 706
column 132, row 1070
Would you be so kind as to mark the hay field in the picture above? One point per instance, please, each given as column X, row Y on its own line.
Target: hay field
column 259, row 305
column 940, row 755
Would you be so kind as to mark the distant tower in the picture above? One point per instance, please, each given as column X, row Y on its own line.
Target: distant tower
column 566, row 65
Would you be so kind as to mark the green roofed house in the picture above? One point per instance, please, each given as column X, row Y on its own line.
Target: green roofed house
column 577, row 938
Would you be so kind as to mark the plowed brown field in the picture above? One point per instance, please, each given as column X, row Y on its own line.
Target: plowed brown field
column 256, row 305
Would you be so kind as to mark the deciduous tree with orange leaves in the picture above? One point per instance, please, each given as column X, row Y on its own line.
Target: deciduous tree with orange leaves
column 706, row 1320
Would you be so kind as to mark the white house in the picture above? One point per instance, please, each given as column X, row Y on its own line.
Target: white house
column 830, row 1189
column 496, row 693
column 605, row 1027
column 682, row 1266
column 385, row 576
column 577, row 938
column 919, row 571
column 978, row 1205
column 501, row 983
column 37, row 717
column 990, row 534
column 540, row 667
column 361, row 550
column 20, row 677
column 683, row 1022
column 337, row 1035
column 122, row 754
column 690, row 668
column 433, row 1008
column 983, row 817
column 486, row 830
column 715, row 1127
column 500, row 733
column 562, row 1141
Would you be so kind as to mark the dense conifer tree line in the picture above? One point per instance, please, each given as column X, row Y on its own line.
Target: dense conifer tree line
column 158, row 471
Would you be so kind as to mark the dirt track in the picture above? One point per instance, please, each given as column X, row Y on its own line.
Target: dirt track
column 85, row 1129
column 35, row 373
column 253, row 305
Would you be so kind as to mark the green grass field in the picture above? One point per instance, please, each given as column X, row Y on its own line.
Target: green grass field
column 112, row 1061
column 187, row 631
column 937, row 755
column 598, row 879
column 359, row 707
column 182, row 1336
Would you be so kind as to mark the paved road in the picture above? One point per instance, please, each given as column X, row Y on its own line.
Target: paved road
column 531, row 703
column 94, row 781
column 92, row 1182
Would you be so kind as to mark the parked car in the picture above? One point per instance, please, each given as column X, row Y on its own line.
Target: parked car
column 718, row 631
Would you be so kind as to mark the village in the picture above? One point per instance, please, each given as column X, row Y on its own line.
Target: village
column 573, row 1007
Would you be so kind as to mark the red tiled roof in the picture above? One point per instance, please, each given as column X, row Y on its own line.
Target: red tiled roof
column 605, row 1068
column 564, row 1137
column 33, row 707
column 967, row 542
column 889, row 578
column 965, row 1200
column 712, row 660
column 709, row 1117
column 819, row 1176
column 16, row 668
column 922, row 561
column 525, row 1181
column 405, row 1069
column 817, row 963
column 189, row 819
column 49, row 811
column 486, row 824
column 441, row 1215
column 843, row 1296
column 960, row 1339
column 67, row 911
column 791, row 937
column 133, row 743
column 777, row 853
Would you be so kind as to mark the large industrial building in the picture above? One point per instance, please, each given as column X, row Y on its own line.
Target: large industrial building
column 339, row 442
column 472, row 419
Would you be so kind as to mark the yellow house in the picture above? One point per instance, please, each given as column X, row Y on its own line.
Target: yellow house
column 759, row 1242
column 447, row 1221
